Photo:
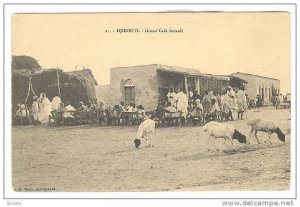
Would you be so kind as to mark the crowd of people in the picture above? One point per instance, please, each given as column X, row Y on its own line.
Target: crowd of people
column 44, row 111
column 280, row 100
column 38, row 113
column 41, row 110
column 211, row 105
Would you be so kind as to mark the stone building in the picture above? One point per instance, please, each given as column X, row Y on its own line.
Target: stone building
column 149, row 84
column 259, row 85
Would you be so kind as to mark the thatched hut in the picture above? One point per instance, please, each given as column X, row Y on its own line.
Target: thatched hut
column 84, row 78
column 71, row 87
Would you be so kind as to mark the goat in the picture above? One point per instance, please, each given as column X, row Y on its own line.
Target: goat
column 216, row 130
column 145, row 130
column 265, row 126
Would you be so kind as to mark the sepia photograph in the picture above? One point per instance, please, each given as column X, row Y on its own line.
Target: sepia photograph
column 159, row 102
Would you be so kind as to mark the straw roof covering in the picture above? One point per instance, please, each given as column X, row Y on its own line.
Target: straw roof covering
column 73, row 86
column 86, row 77
column 24, row 62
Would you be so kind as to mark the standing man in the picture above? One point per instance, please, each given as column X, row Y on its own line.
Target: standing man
column 190, row 93
column 241, row 102
column 190, row 96
column 45, row 109
column 230, row 101
column 35, row 110
column 172, row 97
column 182, row 105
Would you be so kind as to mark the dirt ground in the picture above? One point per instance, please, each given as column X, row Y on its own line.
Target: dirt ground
column 103, row 159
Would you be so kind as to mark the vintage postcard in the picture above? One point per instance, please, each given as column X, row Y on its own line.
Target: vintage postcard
column 151, row 101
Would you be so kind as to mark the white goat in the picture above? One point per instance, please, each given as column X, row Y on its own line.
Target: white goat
column 265, row 126
column 216, row 130
column 146, row 130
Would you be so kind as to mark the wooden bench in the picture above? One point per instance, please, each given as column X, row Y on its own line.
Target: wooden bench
column 171, row 118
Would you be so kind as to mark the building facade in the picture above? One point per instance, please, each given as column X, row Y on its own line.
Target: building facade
column 258, row 85
column 148, row 85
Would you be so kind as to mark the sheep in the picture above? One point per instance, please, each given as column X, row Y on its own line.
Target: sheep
column 216, row 130
column 265, row 126
column 145, row 130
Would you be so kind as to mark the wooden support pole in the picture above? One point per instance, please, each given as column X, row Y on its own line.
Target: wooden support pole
column 185, row 84
column 198, row 85
column 57, row 73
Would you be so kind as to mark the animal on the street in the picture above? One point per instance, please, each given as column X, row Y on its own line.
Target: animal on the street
column 216, row 130
column 137, row 143
column 146, row 131
column 265, row 126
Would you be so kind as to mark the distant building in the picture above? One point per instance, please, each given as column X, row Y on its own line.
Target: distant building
column 149, row 84
column 259, row 85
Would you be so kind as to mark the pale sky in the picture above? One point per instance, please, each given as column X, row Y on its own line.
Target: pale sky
column 217, row 43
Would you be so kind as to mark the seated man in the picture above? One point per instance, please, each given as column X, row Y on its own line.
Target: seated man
column 196, row 112
column 82, row 107
column 131, row 118
column 122, row 106
column 24, row 115
column 68, row 115
column 196, row 109
column 21, row 114
column 131, row 107
column 215, row 109
column 116, row 114
column 170, row 108
column 60, row 112
column 18, row 115
column 160, row 111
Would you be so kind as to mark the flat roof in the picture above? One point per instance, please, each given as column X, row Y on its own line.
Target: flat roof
column 253, row 75
column 175, row 69
column 179, row 70
column 220, row 77
column 192, row 72
column 167, row 68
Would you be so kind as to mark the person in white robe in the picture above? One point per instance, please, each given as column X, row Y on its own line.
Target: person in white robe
column 224, row 99
column 182, row 105
column 172, row 97
column 241, row 102
column 45, row 109
column 68, row 115
column 55, row 103
column 230, row 101
column 196, row 109
column 214, row 111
